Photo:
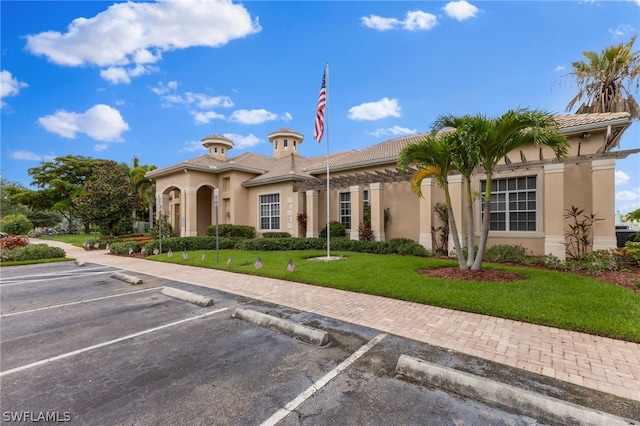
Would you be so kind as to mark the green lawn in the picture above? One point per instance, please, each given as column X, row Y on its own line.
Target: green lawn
column 73, row 239
column 545, row 297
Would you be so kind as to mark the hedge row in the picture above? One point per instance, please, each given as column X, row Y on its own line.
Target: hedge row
column 32, row 252
column 396, row 246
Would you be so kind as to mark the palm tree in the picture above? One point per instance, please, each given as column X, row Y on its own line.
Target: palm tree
column 495, row 138
column 433, row 158
column 606, row 80
column 144, row 186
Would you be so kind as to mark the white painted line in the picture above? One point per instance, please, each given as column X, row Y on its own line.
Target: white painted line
column 22, row 282
column 67, row 272
column 78, row 302
column 284, row 412
column 110, row 342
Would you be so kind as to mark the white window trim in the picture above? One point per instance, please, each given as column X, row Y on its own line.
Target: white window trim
column 539, row 232
column 340, row 208
column 259, row 215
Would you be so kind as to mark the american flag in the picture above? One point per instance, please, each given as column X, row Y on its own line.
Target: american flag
column 130, row 250
column 155, row 250
column 258, row 263
column 204, row 255
column 107, row 247
column 142, row 250
column 229, row 260
column 184, row 254
column 170, row 253
column 291, row 266
column 96, row 245
column 318, row 130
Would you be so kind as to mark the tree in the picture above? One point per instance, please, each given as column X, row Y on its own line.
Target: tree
column 108, row 199
column 8, row 204
column 44, row 218
column 477, row 141
column 606, row 80
column 16, row 224
column 60, row 181
column 145, row 187
column 433, row 157
column 633, row 216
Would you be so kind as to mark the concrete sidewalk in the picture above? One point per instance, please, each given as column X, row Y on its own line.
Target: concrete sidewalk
column 608, row 365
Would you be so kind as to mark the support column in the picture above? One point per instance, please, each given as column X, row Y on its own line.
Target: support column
column 190, row 217
column 552, row 210
column 603, row 203
column 312, row 214
column 426, row 213
column 456, row 190
column 377, row 211
column 356, row 211
column 183, row 213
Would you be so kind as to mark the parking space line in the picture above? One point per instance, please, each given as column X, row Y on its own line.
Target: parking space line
column 284, row 412
column 13, row 281
column 110, row 342
column 78, row 302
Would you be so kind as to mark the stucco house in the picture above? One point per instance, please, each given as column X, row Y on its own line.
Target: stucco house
column 533, row 189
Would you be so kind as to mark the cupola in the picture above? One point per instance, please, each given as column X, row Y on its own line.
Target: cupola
column 218, row 146
column 285, row 142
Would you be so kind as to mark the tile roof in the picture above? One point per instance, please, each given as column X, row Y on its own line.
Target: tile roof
column 301, row 167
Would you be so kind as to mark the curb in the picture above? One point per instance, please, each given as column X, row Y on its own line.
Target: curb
column 80, row 263
column 127, row 278
column 301, row 332
column 519, row 401
column 187, row 296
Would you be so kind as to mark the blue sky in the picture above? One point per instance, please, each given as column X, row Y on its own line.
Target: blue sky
column 151, row 79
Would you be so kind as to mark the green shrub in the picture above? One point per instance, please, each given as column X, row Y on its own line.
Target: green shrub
column 98, row 244
column 33, row 252
column 16, row 224
column 232, row 231
column 276, row 235
column 337, row 230
column 506, row 253
column 634, row 238
column 189, row 243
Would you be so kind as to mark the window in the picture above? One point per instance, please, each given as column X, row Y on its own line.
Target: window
column 270, row 211
column 345, row 209
column 285, row 144
column 513, row 204
column 365, row 196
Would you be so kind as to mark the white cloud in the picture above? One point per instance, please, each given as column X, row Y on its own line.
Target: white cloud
column 623, row 30
column 193, row 146
column 256, row 116
column 414, row 20
column 621, row 177
column 242, row 142
column 99, row 147
column 369, row 111
column 30, row 156
column 130, row 36
column 460, row 10
column 379, row 23
column 100, row 122
column 204, row 117
column 626, row 195
column 394, row 131
column 9, row 86
column 559, row 68
column 418, row 20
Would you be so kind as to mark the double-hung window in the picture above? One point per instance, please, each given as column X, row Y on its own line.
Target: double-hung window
column 270, row 211
column 345, row 209
column 513, row 204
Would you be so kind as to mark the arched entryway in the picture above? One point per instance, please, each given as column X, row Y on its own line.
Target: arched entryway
column 204, row 206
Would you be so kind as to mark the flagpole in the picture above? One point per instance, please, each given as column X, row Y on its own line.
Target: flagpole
column 327, row 128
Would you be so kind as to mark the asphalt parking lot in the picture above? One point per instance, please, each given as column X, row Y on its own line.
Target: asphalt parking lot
column 78, row 345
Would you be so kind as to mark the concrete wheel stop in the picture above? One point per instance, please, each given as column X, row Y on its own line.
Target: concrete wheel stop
column 187, row 296
column 290, row 328
column 127, row 278
column 520, row 401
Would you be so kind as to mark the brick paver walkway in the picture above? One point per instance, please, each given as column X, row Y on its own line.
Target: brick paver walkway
column 608, row 365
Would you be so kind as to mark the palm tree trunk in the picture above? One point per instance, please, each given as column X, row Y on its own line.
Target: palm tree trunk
column 454, row 231
column 470, row 227
column 484, row 230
